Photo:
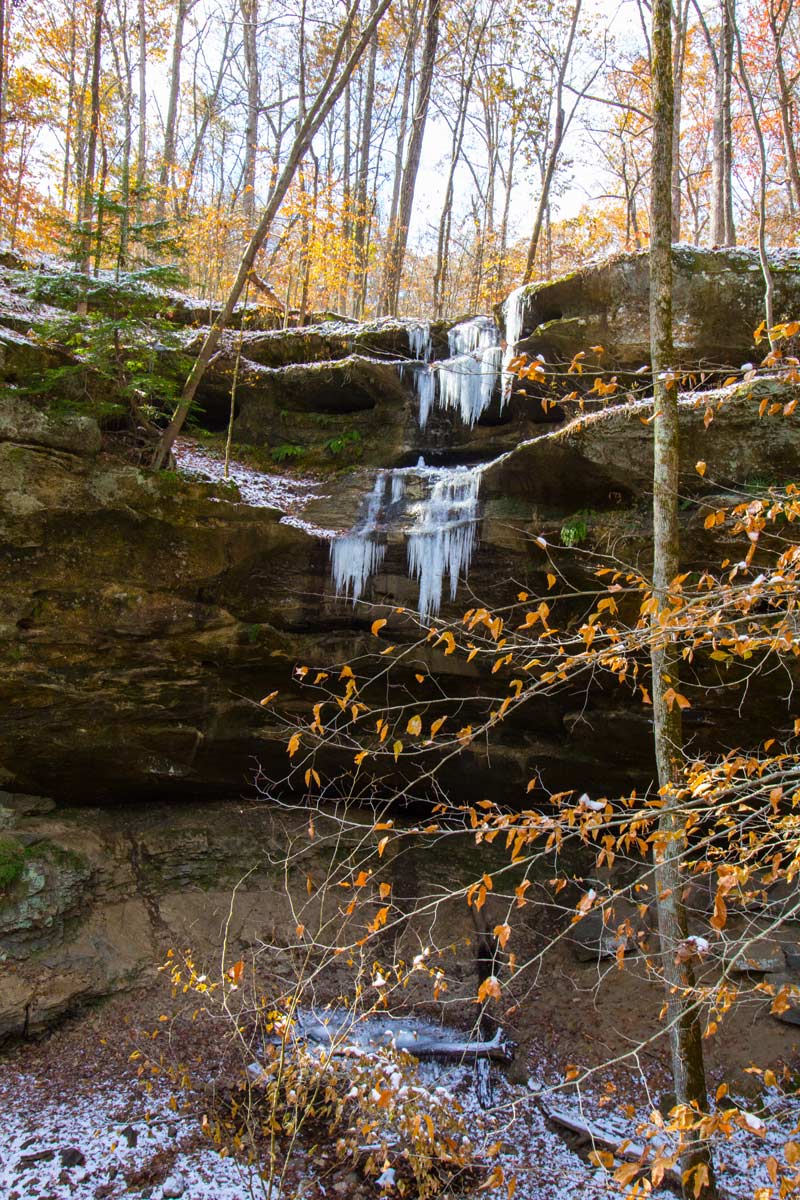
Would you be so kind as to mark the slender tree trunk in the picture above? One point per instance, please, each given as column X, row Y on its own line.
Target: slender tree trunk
column 362, row 211
column 141, row 153
column 397, row 249
column 70, row 115
column 249, row 38
column 329, row 92
column 685, row 1035
column 680, row 20
column 555, row 148
column 778, row 18
column 509, row 183
column 408, row 81
column 766, row 271
column 91, row 150
column 443, row 239
column 722, row 230
column 209, row 108
column 171, row 125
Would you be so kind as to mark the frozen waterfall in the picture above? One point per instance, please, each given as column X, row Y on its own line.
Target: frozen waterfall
column 435, row 510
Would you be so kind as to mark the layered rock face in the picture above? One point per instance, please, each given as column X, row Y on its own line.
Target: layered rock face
column 144, row 616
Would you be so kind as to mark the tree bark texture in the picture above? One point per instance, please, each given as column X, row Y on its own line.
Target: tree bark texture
column 686, row 1047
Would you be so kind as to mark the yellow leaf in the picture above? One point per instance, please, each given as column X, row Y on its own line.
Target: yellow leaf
column 311, row 775
column 268, row 699
column 448, row 640
column 551, row 581
column 437, row 725
column 346, row 672
column 502, row 933
column 382, row 846
column 489, row 990
column 397, row 750
column 384, row 890
column 700, row 467
column 299, row 930
column 377, row 626
column 359, row 758
column 419, row 678
column 294, row 745
column 414, row 726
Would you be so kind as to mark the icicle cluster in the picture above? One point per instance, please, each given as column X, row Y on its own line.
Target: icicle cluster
column 440, row 531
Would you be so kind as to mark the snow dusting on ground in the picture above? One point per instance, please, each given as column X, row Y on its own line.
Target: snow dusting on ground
column 108, row 1137
column 289, row 494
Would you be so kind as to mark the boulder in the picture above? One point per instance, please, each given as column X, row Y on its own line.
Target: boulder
column 718, row 302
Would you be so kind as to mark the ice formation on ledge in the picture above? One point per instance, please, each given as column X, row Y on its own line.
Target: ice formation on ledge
column 479, row 333
column 440, row 531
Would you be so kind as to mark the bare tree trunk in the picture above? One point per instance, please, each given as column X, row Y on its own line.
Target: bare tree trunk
column 443, row 239
column 397, row 248
column 249, row 40
column 680, row 21
column 362, row 212
column 91, row 150
column 555, row 148
column 685, row 1036
column 329, row 92
column 69, row 117
column 766, row 270
column 778, row 18
column 141, row 152
column 171, row 125
column 408, row 80
column 722, row 230
column 209, row 106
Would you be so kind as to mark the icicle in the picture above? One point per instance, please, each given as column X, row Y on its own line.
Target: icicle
column 443, row 537
column 419, row 340
column 425, row 387
column 358, row 554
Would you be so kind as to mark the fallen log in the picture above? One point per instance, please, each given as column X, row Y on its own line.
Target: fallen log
column 621, row 1148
